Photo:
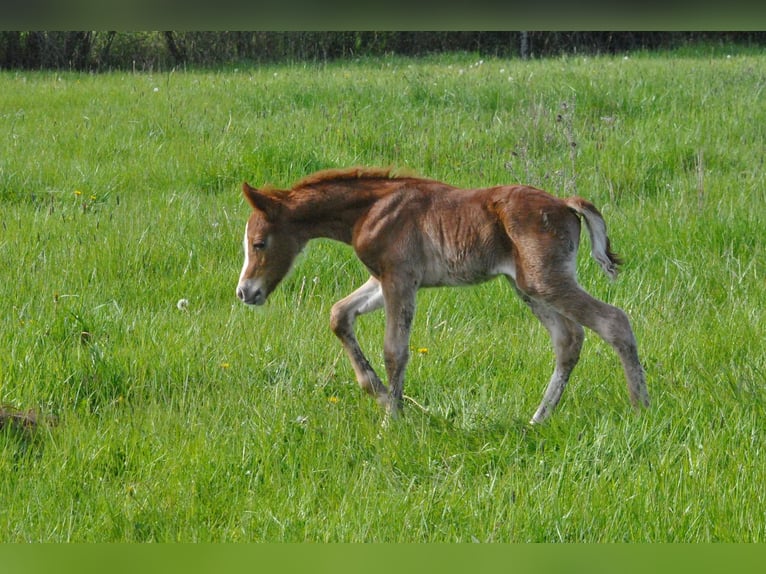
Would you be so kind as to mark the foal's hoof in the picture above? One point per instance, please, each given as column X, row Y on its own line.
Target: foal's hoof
column 392, row 410
column 391, row 416
column 389, row 405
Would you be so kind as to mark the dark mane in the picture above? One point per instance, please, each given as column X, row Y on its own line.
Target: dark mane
column 328, row 175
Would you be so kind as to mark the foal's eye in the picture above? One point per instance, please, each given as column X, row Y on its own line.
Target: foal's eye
column 259, row 245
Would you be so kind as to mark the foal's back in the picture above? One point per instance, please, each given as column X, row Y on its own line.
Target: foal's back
column 444, row 235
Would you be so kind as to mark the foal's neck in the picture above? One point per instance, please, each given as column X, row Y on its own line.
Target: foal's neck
column 331, row 209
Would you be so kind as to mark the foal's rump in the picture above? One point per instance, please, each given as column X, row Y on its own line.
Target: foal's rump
column 545, row 233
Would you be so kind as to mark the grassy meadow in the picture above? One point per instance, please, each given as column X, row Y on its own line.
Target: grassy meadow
column 120, row 196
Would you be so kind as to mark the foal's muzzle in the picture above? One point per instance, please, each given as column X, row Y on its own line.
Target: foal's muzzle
column 250, row 297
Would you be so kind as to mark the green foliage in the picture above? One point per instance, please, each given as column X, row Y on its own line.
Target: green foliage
column 155, row 51
column 119, row 196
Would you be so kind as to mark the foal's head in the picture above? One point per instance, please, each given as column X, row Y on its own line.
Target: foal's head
column 270, row 247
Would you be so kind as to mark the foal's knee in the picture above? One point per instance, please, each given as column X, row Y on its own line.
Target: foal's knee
column 395, row 356
column 339, row 320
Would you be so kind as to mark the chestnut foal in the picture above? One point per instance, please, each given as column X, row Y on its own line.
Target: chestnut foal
column 411, row 232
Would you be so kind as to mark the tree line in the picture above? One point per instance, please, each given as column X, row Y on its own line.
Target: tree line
column 159, row 50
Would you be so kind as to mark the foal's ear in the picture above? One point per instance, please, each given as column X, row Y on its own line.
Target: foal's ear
column 261, row 201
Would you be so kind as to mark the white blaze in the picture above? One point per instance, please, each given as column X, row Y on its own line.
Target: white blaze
column 247, row 257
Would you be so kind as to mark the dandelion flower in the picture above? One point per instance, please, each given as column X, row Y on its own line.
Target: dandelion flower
column 225, row 365
column 423, row 350
column 334, row 400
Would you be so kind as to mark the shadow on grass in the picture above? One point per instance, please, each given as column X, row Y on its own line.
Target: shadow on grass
column 480, row 434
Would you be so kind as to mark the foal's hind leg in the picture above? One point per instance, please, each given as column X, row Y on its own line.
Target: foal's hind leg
column 367, row 298
column 567, row 337
column 612, row 325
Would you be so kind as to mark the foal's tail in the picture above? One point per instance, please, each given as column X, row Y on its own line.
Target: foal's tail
column 599, row 241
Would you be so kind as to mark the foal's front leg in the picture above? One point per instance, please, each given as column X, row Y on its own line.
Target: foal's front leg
column 366, row 299
column 399, row 297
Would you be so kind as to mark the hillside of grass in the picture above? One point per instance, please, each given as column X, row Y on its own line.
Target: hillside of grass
column 213, row 421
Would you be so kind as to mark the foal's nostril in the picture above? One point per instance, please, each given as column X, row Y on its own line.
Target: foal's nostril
column 240, row 293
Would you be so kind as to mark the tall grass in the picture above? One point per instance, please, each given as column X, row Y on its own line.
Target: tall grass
column 218, row 422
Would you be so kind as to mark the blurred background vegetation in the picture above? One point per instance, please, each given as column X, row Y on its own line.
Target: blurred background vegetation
column 161, row 50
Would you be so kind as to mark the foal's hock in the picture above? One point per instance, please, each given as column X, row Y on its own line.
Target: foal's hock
column 412, row 232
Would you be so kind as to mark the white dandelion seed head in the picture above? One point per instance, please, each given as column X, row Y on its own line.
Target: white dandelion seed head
column 183, row 304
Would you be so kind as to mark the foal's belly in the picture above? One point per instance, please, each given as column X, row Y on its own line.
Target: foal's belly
column 465, row 271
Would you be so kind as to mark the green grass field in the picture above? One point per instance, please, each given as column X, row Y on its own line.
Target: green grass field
column 120, row 195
